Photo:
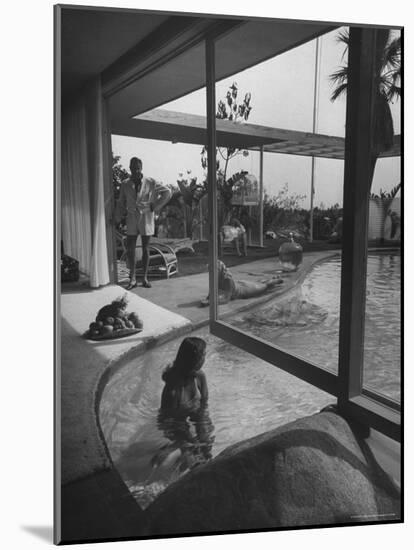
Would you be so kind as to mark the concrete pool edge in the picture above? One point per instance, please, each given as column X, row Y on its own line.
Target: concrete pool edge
column 95, row 503
column 118, row 516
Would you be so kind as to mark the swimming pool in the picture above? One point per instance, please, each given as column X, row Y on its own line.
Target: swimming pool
column 305, row 321
column 247, row 395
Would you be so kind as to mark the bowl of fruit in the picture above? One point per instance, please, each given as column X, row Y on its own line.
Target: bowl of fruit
column 113, row 321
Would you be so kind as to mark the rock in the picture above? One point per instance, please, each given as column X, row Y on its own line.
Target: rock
column 314, row 471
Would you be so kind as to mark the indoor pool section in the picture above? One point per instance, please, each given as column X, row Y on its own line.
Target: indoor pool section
column 247, row 397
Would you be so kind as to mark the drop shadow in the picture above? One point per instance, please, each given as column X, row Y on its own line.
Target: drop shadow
column 43, row 532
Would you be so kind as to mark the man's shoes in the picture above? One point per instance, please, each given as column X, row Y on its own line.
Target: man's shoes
column 131, row 285
column 146, row 284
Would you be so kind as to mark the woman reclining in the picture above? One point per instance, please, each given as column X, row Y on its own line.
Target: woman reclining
column 229, row 289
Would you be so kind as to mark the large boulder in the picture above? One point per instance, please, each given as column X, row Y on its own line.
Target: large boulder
column 314, row 471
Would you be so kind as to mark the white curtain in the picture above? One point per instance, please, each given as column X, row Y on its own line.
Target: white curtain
column 76, row 212
column 83, row 205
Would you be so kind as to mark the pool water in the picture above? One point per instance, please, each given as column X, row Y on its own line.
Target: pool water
column 382, row 347
column 247, row 395
column 305, row 321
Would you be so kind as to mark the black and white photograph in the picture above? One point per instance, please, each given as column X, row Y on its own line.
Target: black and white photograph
column 229, row 225
column 220, row 323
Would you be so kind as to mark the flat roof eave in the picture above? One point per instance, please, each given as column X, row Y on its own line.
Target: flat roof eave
column 165, row 125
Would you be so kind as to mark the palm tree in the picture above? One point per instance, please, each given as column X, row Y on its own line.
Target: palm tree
column 387, row 79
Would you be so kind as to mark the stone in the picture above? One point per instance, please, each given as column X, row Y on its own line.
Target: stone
column 314, row 471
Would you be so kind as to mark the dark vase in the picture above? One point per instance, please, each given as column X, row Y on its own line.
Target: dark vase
column 290, row 255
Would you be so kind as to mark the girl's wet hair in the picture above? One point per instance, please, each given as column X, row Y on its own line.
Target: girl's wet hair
column 189, row 358
column 135, row 160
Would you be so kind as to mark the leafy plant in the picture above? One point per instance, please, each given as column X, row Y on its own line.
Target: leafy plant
column 234, row 111
column 182, row 210
column 387, row 88
column 283, row 211
column 119, row 174
column 387, row 194
column 189, row 195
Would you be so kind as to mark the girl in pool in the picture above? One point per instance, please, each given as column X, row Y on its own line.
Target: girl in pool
column 183, row 417
column 185, row 389
column 229, row 289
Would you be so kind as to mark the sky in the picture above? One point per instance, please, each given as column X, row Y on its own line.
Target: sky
column 282, row 91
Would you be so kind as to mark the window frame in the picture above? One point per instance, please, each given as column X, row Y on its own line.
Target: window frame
column 354, row 401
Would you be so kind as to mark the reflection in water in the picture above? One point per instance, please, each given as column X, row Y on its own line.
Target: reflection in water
column 187, row 443
column 191, row 436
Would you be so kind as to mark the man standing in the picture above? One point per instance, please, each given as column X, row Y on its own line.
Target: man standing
column 140, row 197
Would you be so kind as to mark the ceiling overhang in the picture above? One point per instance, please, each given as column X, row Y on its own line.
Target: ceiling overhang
column 91, row 40
column 146, row 59
column 240, row 45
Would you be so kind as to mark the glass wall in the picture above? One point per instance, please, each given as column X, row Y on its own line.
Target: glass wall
column 298, row 299
column 278, row 282
column 382, row 342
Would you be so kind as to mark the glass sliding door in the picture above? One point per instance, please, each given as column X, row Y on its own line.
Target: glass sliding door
column 290, row 166
column 382, row 337
column 278, row 174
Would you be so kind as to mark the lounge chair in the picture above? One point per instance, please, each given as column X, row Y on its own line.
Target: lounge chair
column 185, row 244
column 163, row 260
